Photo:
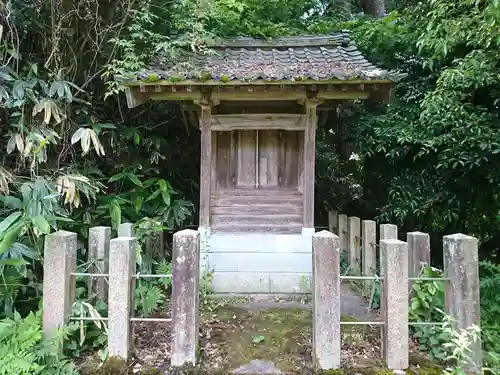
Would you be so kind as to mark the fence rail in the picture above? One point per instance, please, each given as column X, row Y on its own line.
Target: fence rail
column 112, row 280
column 400, row 265
column 113, row 275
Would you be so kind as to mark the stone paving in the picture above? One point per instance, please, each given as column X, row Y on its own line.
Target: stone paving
column 351, row 304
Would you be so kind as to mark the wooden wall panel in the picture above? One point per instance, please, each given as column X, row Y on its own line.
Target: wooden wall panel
column 223, row 160
column 269, row 145
column 246, row 158
column 292, row 144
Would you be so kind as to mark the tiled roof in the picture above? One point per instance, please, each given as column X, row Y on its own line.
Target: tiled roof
column 317, row 58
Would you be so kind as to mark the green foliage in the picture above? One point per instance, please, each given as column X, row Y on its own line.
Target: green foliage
column 458, row 346
column 427, row 296
column 490, row 308
column 427, row 305
column 87, row 336
column 428, row 161
column 24, row 350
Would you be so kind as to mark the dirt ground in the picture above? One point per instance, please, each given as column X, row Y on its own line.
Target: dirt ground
column 234, row 332
column 235, row 336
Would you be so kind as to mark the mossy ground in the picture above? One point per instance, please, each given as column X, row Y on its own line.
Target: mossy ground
column 233, row 336
column 279, row 335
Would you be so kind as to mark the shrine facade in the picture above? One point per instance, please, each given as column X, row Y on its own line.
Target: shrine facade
column 257, row 103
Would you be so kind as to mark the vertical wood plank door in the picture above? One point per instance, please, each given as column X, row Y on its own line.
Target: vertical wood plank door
column 257, row 181
column 259, row 159
column 247, row 163
column 269, row 158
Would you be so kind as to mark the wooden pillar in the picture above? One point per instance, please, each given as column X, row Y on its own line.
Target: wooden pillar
column 205, row 163
column 309, row 162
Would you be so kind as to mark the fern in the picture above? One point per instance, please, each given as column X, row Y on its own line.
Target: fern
column 25, row 351
column 165, row 268
column 149, row 298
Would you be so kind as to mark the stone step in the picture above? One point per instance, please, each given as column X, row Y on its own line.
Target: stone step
column 258, row 242
column 252, row 209
column 294, row 228
column 271, row 220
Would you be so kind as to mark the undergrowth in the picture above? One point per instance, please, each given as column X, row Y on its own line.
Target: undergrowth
column 25, row 351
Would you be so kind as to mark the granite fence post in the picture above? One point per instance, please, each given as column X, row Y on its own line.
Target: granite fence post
column 333, row 221
column 326, row 300
column 121, row 305
column 125, row 230
column 98, row 254
column 387, row 232
column 396, row 335
column 58, row 284
column 342, row 227
column 369, row 250
column 419, row 253
column 461, row 267
column 354, row 234
column 185, row 298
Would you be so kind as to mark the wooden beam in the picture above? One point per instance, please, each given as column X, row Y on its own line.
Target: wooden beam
column 258, row 121
column 135, row 97
column 309, row 161
column 350, row 90
column 260, row 95
column 205, row 163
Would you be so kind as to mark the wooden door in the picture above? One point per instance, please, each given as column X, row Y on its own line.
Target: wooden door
column 246, row 170
column 259, row 159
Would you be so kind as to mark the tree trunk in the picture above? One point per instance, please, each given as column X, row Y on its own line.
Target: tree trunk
column 340, row 9
column 375, row 8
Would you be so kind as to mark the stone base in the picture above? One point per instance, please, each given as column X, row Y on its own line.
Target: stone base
column 259, row 263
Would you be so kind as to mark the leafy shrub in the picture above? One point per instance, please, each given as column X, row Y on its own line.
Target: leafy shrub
column 25, row 351
column 427, row 305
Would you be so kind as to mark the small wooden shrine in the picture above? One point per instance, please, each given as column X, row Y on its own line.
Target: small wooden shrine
column 257, row 104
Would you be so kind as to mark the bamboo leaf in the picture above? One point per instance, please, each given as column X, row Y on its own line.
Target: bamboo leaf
column 19, row 143
column 10, row 236
column 77, row 135
column 85, row 141
column 8, row 221
column 41, row 224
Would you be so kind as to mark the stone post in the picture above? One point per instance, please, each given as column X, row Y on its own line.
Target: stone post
column 126, row 230
column 387, row 232
column 396, row 335
column 342, row 226
column 369, row 249
column 185, row 303
column 121, row 305
column 99, row 238
column 58, row 285
column 419, row 252
column 326, row 300
column 333, row 221
column 462, row 291
column 354, row 234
